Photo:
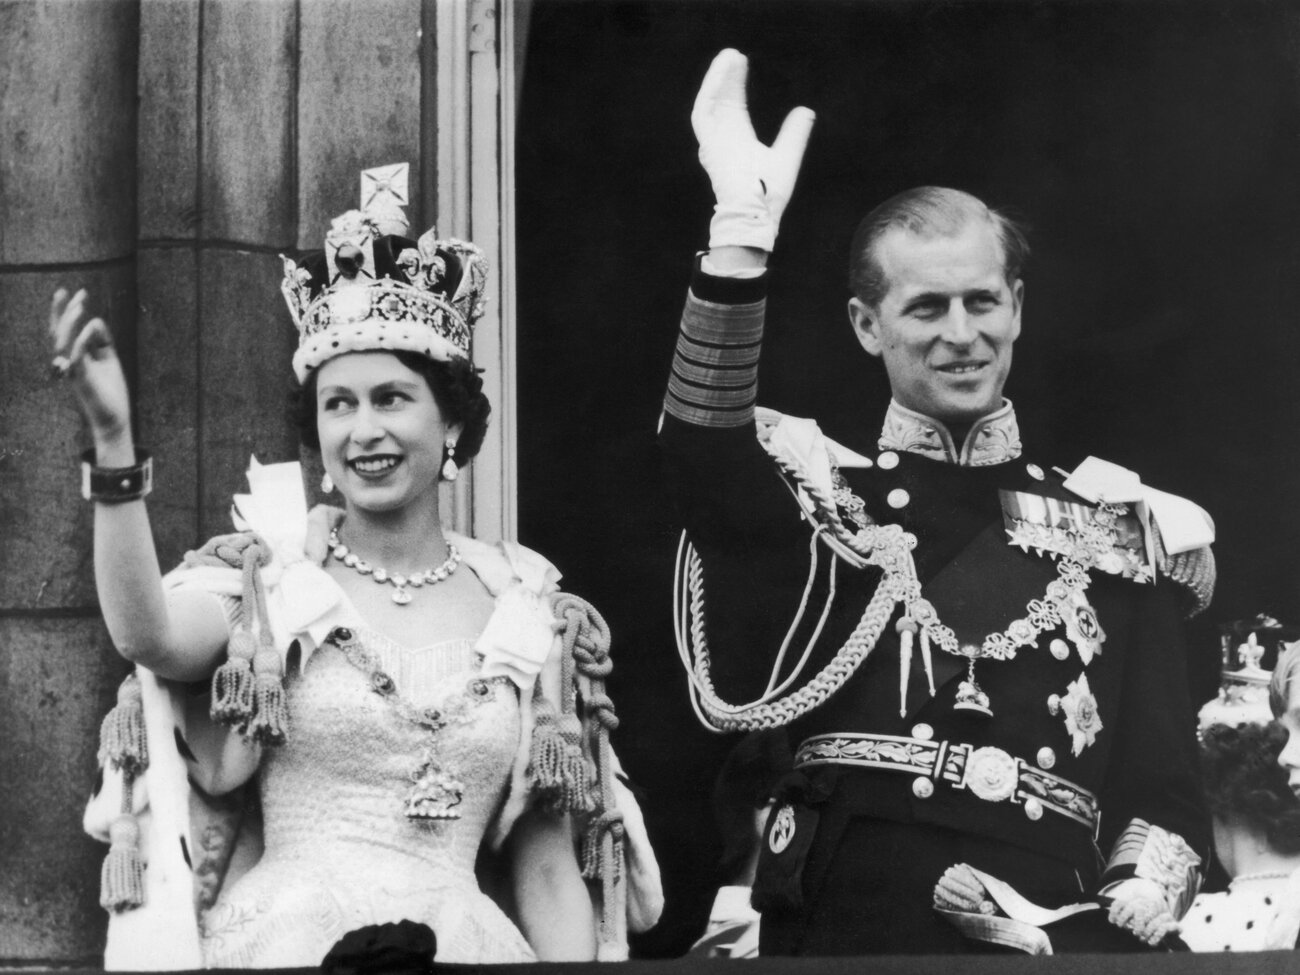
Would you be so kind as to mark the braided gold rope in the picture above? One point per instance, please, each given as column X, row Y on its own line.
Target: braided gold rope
column 1195, row 571
column 773, row 714
column 586, row 640
column 885, row 546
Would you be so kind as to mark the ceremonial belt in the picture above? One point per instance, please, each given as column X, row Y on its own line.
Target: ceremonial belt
column 987, row 773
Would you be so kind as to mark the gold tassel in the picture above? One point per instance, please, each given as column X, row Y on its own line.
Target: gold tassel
column 593, row 857
column 547, row 751
column 576, row 776
column 122, row 878
column 122, row 742
column 270, row 721
column 557, row 769
column 232, row 684
column 590, row 857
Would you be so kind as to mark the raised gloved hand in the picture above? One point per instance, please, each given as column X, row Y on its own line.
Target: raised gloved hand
column 752, row 183
column 1139, row 907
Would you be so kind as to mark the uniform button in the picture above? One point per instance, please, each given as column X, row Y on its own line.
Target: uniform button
column 898, row 498
column 1046, row 757
column 887, row 461
column 1035, row 472
column 1060, row 649
column 923, row 732
column 1033, row 809
column 1054, row 704
column 922, row 788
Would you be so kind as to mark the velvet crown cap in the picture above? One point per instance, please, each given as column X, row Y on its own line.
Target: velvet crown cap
column 373, row 288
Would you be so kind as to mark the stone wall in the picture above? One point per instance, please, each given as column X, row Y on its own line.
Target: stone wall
column 160, row 154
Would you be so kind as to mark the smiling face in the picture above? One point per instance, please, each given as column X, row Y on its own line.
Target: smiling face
column 946, row 324
column 381, row 432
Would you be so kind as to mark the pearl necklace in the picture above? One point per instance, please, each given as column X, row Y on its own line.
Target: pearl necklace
column 401, row 594
column 1260, row 875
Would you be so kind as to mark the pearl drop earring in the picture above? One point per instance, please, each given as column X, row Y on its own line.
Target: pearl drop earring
column 449, row 469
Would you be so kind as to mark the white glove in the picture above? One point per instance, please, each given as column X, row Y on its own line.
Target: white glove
column 752, row 183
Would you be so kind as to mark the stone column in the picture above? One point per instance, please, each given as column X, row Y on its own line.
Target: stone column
column 67, row 217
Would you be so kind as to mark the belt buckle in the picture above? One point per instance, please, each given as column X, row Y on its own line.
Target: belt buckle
column 991, row 774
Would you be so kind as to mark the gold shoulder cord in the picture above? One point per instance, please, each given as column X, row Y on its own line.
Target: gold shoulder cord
column 889, row 548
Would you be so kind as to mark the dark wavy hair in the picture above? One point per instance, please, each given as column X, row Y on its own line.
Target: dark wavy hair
column 457, row 388
column 1244, row 782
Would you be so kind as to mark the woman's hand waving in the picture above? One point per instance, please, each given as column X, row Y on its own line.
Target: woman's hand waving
column 84, row 354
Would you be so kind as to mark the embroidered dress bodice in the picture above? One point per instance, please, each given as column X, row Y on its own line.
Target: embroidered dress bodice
column 340, row 852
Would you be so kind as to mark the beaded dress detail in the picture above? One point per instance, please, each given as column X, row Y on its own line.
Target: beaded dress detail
column 341, row 851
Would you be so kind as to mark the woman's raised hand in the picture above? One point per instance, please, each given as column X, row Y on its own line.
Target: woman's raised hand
column 84, row 354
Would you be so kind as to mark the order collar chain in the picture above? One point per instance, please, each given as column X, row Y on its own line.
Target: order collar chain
column 436, row 789
column 888, row 547
column 1063, row 603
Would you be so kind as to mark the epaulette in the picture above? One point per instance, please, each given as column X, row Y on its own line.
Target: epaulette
column 808, row 462
column 1179, row 532
column 1195, row 571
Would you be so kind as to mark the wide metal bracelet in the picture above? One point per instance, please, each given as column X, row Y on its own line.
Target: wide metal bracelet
column 113, row 485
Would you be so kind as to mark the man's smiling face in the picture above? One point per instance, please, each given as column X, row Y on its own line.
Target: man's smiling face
column 945, row 327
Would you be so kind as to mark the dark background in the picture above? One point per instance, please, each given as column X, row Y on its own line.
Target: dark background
column 1153, row 149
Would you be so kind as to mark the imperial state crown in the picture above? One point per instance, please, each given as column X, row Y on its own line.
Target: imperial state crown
column 372, row 287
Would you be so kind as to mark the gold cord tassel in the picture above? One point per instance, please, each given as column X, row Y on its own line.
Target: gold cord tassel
column 121, row 881
column 232, row 684
column 122, row 742
column 597, row 861
column 270, row 721
column 557, row 769
column 575, row 769
column 248, row 689
column 586, row 642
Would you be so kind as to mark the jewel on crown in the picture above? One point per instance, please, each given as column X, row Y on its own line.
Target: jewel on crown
column 374, row 288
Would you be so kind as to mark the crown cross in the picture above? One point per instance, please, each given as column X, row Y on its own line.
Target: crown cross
column 374, row 288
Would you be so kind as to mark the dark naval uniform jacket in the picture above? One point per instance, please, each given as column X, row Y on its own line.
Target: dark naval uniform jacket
column 1057, row 751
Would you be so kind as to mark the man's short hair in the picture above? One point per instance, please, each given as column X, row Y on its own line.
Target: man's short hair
column 1286, row 676
column 927, row 211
